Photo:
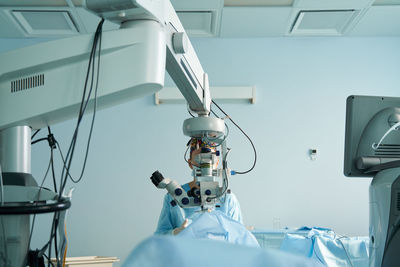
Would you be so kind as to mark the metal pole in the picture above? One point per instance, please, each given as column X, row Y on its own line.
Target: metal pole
column 15, row 149
column 15, row 158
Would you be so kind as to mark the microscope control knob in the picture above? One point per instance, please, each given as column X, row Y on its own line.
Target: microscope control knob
column 178, row 191
column 180, row 42
column 173, row 203
column 185, row 201
column 208, row 192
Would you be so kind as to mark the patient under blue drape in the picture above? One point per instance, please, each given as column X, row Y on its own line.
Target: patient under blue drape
column 216, row 225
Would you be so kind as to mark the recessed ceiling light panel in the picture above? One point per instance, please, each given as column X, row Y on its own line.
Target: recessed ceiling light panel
column 322, row 22
column 51, row 22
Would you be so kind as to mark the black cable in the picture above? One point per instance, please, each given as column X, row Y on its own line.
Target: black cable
column 93, row 52
column 52, row 145
column 57, row 215
column 52, row 170
column 251, row 142
column 80, row 110
column 50, row 241
column 53, row 235
column 71, row 149
column 48, row 260
column 93, row 118
column 38, row 140
column 190, row 113
column 30, row 234
column 34, row 217
column 63, row 160
column 226, row 135
column 94, row 114
column 36, row 132
column 184, row 155
column 215, row 114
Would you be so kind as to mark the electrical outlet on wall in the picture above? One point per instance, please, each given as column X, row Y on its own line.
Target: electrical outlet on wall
column 312, row 152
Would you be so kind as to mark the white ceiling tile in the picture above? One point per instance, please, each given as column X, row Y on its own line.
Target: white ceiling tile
column 379, row 21
column 258, row 2
column 246, row 22
column 332, row 4
column 386, row 2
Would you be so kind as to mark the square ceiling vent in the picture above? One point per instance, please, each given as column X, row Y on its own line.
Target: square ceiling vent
column 322, row 22
column 200, row 18
column 197, row 23
column 38, row 22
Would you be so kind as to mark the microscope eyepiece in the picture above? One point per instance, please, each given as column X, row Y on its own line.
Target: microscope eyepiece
column 156, row 178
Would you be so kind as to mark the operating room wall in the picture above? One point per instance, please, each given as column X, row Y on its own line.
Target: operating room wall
column 301, row 90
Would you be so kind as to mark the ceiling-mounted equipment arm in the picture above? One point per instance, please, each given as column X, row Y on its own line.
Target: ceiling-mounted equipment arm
column 182, row 62
column 184, row 66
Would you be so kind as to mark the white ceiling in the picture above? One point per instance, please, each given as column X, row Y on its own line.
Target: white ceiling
column 258, row 2
column 238, row 18
column 276, row 21
column 271, row 18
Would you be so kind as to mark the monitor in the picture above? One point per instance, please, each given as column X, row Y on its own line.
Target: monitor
column 368, row 119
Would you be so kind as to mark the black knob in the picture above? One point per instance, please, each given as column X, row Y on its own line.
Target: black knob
column 185, row 201
column 178, row 191
column 194, row 192
column 208, row 192
column 173, row 203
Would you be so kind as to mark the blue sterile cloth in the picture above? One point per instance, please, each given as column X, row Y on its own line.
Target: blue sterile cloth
column 172, row 217
column 325, row 246
column 272, row 238
column 158, row 251
column 216, row 225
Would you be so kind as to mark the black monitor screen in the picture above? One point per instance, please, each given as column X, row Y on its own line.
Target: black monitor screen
column 368, row 119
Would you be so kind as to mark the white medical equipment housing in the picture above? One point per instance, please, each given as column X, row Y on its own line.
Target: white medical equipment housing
column 204, row 126
column 372, row 149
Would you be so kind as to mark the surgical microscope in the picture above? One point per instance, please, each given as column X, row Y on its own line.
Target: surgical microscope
column 42, row 85
column 206, row 175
